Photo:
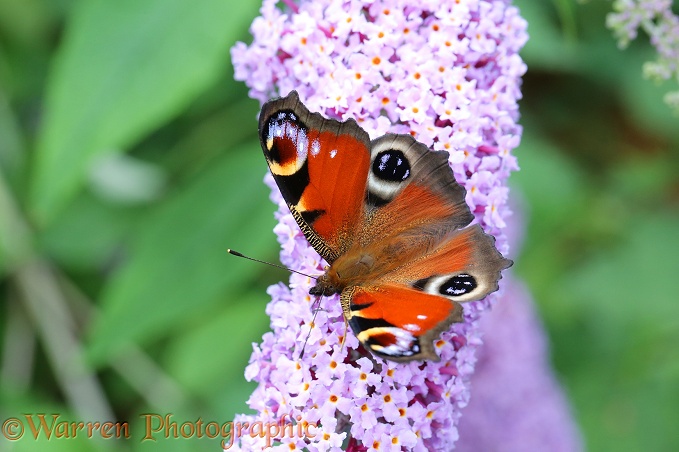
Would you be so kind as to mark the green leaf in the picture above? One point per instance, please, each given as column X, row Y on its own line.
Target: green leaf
column 549, row 180
column 193, row 361
column 91, row 251
column 124, row 68
column 622, row 370
column 11, row 145
column 644, row 271
column 178, row 263
column 15, row 237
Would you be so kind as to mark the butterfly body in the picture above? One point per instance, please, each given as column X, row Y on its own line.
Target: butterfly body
column 391, row 221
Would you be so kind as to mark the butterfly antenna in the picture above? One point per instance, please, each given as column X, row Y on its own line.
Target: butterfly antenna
column 236, row 253
column 313, row 323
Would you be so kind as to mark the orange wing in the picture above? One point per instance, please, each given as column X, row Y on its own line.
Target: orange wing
column 397, row 322
column 466, row 266
column 321, row 167
column 397, row 315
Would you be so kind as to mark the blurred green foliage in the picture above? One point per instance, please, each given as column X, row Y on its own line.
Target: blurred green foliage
column 600, row 183
column 129, row 162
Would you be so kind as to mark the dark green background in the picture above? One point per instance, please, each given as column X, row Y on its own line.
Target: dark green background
column 135, row 280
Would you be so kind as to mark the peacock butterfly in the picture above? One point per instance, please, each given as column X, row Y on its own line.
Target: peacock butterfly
column 390, row 220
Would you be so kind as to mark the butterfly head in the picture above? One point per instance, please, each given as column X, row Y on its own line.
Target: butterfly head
column 325, row 286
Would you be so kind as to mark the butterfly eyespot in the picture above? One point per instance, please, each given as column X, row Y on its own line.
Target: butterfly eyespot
column 391, row 165
column 286, row 143
column 458, row 285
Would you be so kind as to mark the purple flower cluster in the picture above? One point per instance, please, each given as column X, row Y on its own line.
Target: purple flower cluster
column 449, row 74
column 656, row 18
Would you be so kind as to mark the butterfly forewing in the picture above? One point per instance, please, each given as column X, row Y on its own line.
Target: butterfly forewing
column 321, row 168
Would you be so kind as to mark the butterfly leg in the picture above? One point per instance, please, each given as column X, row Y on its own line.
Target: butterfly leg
column 313, row 320
column 344, row 336
column 345, row 301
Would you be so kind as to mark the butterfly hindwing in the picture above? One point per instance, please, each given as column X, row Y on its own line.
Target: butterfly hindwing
column 321, row 167
column 397, row 322
column 464, row 267
column 398, row 315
